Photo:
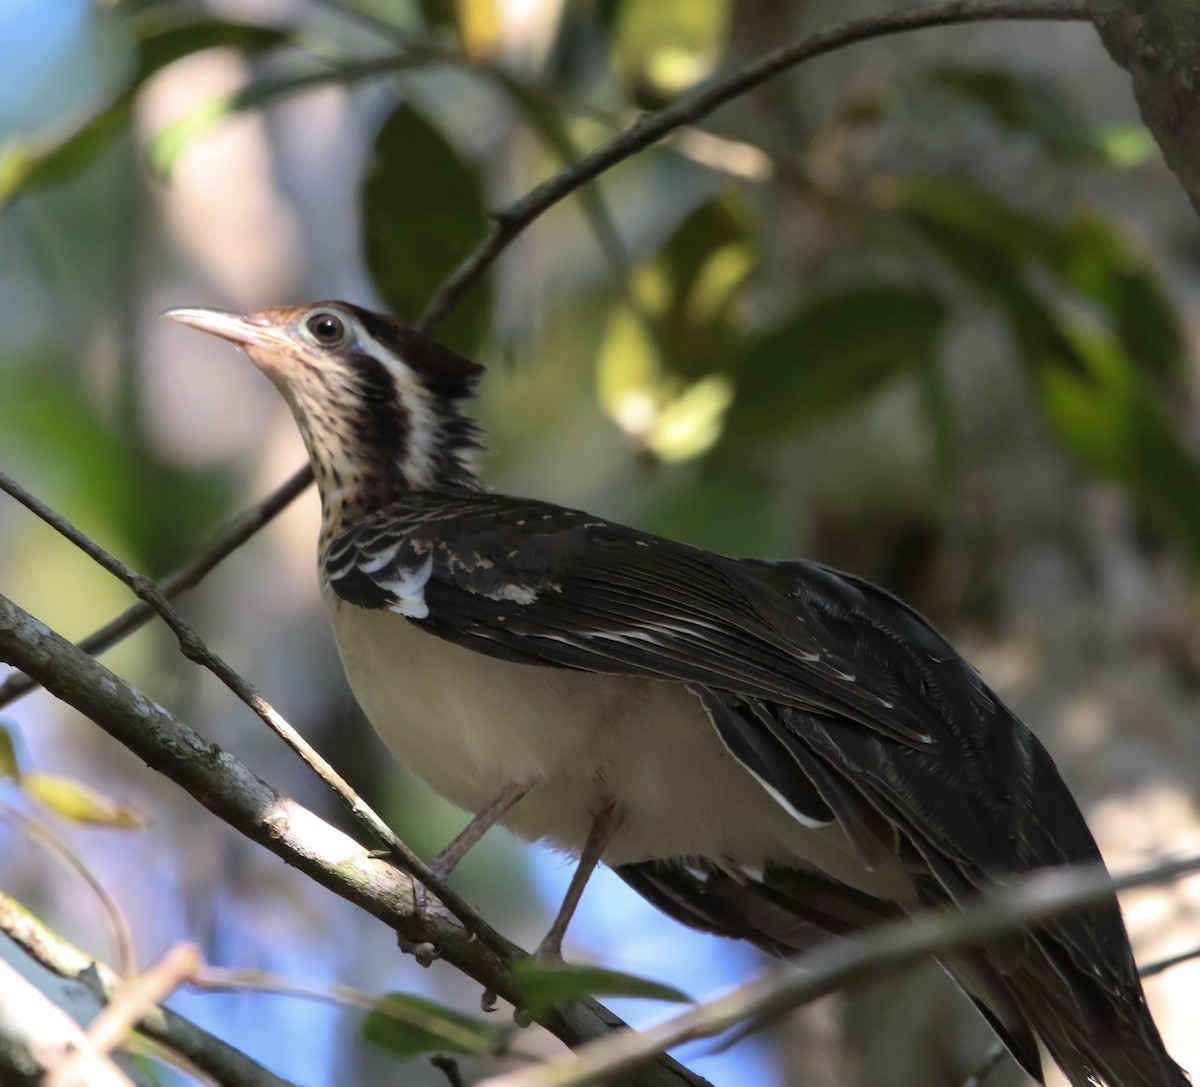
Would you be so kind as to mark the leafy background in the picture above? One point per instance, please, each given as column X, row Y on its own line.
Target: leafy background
column 924, row 309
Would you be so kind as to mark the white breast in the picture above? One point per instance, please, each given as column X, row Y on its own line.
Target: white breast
column 469, row 725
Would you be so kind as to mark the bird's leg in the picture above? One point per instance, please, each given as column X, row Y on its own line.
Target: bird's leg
column 483, row 821
column 604, row 825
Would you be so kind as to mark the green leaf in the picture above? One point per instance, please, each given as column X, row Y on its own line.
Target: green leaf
column 830, row 356
column 25, row 168
column 544, row 984
column 72, row 800
column 10, row 767
column 972, row 213
column 1020, row 103
column 1112, row 422
column 407, row 1025
column 1101, row 265
column 996, row 244
column 423, row 212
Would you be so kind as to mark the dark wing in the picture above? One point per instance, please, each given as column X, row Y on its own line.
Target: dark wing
column 539, row 584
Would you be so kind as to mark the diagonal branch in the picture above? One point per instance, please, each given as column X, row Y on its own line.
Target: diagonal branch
column 288, row 829
column 193, row 647
column 652, row 127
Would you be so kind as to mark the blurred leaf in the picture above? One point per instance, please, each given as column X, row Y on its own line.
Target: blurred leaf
column 993, row 243
column 9, row 766
column 666, row 46
column 831, row 355
column 973, row 214
column 23, row 169
column 1023, row 104
column 407, row 1025
column 544, row 984
column 689, row 425
column 661, row 416
column 158, row 509
column 79, row 803
column 173, row 138
column 1092, row 379
column 1126, row 145
column 423, row 213
column 627, row 373
column 545, row 116
column 479, row 27
column 1099, row 264
column 1113, row 423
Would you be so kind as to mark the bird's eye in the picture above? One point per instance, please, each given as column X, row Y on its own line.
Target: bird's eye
column 327, row 329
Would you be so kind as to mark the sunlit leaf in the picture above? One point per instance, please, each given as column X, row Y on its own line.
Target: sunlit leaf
column 9, row 766
column 407, row 1025
column 830, row 356
column 544, row 984
column 72, row 800
column 665, row 46
column 423, row 212
column 627, row 373
column 689, row 425
column 1126, row 145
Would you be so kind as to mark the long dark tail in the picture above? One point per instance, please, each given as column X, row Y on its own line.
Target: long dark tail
column 1091, row 1037
column 1029, row 988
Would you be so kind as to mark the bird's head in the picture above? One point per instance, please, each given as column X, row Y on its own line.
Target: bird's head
column 376, row 401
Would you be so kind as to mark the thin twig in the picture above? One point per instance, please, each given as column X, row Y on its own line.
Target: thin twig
column 190, row 574
column 118, row 923
column 1035, row 899
column 115, row 1021
column 206, row 1052
column 1161, row 966
column 652, row 127
column 988, row 1063
column 193, row 647
column 248, row 804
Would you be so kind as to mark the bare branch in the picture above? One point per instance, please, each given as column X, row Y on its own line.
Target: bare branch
column 1040, row 897
column 652, row 127
column 213, row 1056
column 193, row 647
column 190, row 574
column 1161, row 966
column 118, row 924
column 288, row 829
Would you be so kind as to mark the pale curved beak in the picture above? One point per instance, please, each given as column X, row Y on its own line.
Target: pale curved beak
column 252, row 331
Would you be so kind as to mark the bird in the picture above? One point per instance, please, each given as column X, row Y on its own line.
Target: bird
column 773, row 751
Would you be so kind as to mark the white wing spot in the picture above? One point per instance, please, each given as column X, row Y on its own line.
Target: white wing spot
column 409, row 590
column 518, row 594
